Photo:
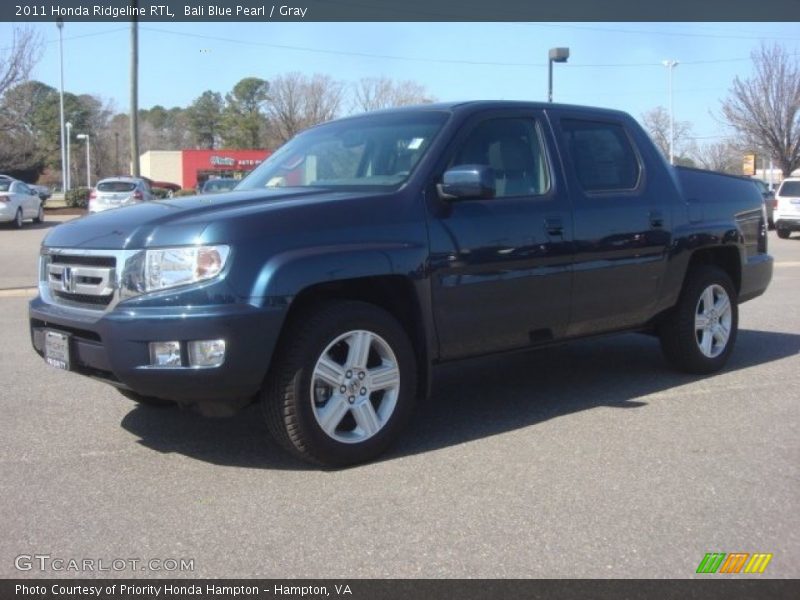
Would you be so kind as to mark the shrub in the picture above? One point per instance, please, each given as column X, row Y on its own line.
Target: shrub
column 186, row 192
column 77, row 197
column 160, row 193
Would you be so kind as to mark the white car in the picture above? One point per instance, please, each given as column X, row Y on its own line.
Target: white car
column 114, row 192
column 19, row 202
column 787, row 209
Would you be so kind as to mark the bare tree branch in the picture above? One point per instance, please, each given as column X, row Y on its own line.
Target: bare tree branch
column 656, row 122
column 16, row 64
column 296, row 102
column 374, row 93
column 765, row 109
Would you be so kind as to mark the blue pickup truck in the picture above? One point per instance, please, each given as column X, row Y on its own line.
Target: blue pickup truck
column 367, row 250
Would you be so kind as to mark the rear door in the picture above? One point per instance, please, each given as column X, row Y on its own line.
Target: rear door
column 501, row 266
column 621, row 223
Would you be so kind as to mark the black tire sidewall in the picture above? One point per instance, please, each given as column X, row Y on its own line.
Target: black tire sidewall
column 333, row 322
column 680, row 341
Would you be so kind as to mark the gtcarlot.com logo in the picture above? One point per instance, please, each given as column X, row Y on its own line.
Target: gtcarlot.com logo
column 46, row 562
column 735, row 562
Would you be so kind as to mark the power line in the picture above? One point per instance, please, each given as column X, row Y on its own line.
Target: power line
column 572, row 65
column 657, row 32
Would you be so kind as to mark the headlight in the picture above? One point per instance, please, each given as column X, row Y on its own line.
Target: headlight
column 170, row 267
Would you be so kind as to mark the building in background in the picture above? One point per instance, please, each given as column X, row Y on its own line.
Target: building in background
column 192, row 168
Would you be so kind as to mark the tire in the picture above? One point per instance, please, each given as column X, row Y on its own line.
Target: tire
column 146, row 400
column 39, row 218
column 693, row 336
column 17, row 222
column 329, row 403
column 784, row 233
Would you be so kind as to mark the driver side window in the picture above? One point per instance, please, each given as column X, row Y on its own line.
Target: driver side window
column 513, row 149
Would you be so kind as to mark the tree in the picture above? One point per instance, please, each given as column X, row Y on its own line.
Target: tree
column 297, row 102
column 725, row 157
column 204, row 117
column 765, row 108
column 374, row 93
column 656, row 122
column 243, row 120
column 18, row 60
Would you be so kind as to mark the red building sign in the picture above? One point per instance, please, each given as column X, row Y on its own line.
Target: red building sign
column 200, row 165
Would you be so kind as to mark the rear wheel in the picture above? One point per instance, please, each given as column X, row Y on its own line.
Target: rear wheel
column 18, row 219
column 700, row 332
column 343, row 385
column 783, row 233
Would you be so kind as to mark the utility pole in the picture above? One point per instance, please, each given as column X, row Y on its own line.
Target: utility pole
column 64, row 164
column 116, row 152
column 671, row 64
column 134, row 120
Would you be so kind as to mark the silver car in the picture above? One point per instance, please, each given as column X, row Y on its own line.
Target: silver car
column 114, row 192
column 19, row 202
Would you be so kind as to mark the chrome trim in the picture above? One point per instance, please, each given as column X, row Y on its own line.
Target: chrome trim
column 71, row 279
column 110, row 279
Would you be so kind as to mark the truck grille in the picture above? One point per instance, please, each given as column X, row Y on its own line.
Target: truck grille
column 80, row 279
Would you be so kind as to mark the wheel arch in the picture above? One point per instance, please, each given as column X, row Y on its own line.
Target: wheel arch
column 405, row 299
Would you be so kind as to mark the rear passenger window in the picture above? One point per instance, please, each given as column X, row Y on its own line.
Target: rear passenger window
column 602, row 154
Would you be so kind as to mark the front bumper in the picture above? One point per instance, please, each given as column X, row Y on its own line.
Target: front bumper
column 113, row 346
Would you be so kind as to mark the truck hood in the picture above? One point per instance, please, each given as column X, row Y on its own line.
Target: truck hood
column 179, row 221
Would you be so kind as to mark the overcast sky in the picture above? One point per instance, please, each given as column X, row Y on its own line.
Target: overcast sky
column 615, row 65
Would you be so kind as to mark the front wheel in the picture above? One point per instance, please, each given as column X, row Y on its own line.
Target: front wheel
column 39, row 218
column 699, row 334
column 343, row 384
column 783, row 233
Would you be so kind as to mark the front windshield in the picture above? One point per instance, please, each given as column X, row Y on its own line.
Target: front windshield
column 375, row 151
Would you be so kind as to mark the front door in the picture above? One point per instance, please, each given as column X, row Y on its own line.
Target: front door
column 501, row 266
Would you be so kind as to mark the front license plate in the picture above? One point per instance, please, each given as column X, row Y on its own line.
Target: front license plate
column 56, row 349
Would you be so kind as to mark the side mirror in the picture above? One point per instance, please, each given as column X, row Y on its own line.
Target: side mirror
column 467, row 182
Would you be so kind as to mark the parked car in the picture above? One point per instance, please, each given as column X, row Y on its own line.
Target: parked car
column 769, row 200
column 19, row 202
column 43, row 191
column 787, row 209
column 367, row 250
column 118, row 191
column 219, row 185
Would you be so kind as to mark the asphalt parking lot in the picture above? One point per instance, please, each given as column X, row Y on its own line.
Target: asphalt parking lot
column 587, row 460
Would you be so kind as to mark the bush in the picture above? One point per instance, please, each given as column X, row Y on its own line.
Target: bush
column 78, row 197
column 186, row 192
column 160, row 193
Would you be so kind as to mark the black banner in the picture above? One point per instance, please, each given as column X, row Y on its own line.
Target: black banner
column 400, row 10
column 401, row 589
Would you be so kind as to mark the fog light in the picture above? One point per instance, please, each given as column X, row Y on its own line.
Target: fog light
column 207, row 353
column 165, row 354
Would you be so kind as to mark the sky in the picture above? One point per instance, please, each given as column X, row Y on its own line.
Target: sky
column 616, row 65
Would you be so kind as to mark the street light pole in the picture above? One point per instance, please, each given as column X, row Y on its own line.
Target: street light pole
column 555, row 55
column 671, row 64
column 85, row 136
column 69, row 156
column 64, row 173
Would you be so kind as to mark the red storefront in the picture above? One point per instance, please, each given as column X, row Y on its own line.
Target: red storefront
column 200, row 165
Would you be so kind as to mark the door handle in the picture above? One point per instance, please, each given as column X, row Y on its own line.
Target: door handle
column 656, row 219
column 554, row 226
